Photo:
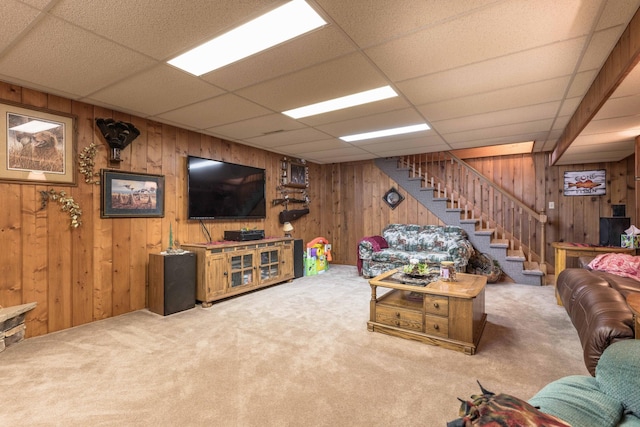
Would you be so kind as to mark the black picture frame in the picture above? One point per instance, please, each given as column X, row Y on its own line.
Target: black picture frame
column 131, row 195
column 393, row 198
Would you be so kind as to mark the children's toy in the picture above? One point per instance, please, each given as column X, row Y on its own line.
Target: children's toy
column 317, row 257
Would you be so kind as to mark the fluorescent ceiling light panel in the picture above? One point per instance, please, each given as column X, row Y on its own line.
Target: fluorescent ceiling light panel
column 386, row 132
column 365, row 97
column 34, row 126
column 281, row 24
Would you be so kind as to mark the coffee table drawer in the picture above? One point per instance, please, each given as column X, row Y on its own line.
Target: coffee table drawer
column 400, row 318
column 436, row 325
column 436, row 304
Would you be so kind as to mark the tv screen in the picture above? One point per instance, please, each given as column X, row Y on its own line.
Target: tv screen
column 221, row 190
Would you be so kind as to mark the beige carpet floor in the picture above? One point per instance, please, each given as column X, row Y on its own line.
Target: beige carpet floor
column 296, row 354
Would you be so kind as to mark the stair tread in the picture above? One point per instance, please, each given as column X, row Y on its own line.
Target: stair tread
column 485, row 231
column 500, row 243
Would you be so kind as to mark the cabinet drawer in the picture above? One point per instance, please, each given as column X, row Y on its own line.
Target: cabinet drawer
column 436, row 325
column 400, row 318
column 436, row 304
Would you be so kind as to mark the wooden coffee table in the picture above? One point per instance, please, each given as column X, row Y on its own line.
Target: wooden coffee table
column 447, row 314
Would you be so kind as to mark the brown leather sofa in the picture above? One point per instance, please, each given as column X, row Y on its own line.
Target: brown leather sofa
column 596, row 304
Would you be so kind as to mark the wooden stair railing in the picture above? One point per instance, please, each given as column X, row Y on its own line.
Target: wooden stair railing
column 481, row 200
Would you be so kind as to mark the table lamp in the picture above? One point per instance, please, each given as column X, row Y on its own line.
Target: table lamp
column 287, row 228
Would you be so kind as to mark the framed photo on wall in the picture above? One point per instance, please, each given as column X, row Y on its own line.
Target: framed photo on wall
column 37, row 145
column 131, row 195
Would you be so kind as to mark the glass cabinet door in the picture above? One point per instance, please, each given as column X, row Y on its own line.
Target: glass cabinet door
column 242, row 272
column 269, row 264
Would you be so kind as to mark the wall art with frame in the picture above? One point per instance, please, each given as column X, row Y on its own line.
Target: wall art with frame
column 585, row 183
column 37, row 145
column 131, row 195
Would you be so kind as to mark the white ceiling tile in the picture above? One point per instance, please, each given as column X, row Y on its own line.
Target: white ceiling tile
column 511, row 97
column 617, row 12
column 390, row 21
column 581, row 83
column 214, row 112
column 302, row 52
column 63, row 47
column 332, row 79
column 279, row 139
column 551, row 61
column 16, row 17
column 601, row 44
column 392, row 119
column 498, row 118
column 183, row 24
column 512, row 130
column 257, row 126
column 148, row 92
column 502, row 30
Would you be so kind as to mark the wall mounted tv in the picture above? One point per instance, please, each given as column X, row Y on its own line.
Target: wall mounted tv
column 221, row 190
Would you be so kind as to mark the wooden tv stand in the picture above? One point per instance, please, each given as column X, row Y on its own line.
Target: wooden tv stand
column 225, row 269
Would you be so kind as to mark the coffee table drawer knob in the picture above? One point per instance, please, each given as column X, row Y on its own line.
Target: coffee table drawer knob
column 436, row 327
column 397, row 314
column 436, row 305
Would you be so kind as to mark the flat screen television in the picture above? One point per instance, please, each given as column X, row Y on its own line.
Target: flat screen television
column 221, row 190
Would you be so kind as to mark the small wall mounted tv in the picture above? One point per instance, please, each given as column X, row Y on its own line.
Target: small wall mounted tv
column 222, row 190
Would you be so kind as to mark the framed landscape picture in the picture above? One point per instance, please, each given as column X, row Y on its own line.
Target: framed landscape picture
column 36, row 145
column 131, row 195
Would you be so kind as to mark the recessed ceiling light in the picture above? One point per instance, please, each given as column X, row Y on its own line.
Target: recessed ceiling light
column 34, row 126
column 385, row 132
column 281, row 24
column 342, row 102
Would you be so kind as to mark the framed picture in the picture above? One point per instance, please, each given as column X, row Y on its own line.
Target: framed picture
column 37, row 145
column 131, row 195
column 585, row 183
column 297, row 173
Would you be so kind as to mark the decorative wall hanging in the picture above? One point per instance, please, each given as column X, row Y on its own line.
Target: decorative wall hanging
column 87, row 163
column 585, row 183
column 67, row 204
column 36, row 145
column 118, row 135
column 130, row 195
column 393, row 198
column 295, row 173
column 294, row 183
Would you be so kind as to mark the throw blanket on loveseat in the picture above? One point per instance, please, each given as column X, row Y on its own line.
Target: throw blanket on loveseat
column 425, row 243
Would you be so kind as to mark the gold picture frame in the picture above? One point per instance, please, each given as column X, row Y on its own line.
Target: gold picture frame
column 37, row 145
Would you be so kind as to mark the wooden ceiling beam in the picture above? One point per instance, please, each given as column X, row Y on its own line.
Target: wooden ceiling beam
column 624, row 56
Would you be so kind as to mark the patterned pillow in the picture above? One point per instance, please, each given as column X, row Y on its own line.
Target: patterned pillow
column 496, row 410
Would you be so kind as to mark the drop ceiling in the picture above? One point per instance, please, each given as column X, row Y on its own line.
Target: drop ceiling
column 479, row 72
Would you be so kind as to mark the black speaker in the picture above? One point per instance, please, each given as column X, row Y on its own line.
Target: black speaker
column 172, row 283
column 619, row 210
column 298, row 258
column 611, row 230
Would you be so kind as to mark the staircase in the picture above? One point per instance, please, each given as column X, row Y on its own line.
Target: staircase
column 497, row 224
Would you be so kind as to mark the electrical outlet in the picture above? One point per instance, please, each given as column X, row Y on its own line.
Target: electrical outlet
column 552, row 205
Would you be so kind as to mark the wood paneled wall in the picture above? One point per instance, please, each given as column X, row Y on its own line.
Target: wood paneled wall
column 359, row 210
column 100, row 269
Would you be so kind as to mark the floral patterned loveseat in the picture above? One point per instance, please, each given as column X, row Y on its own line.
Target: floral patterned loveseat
column 400, row 243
